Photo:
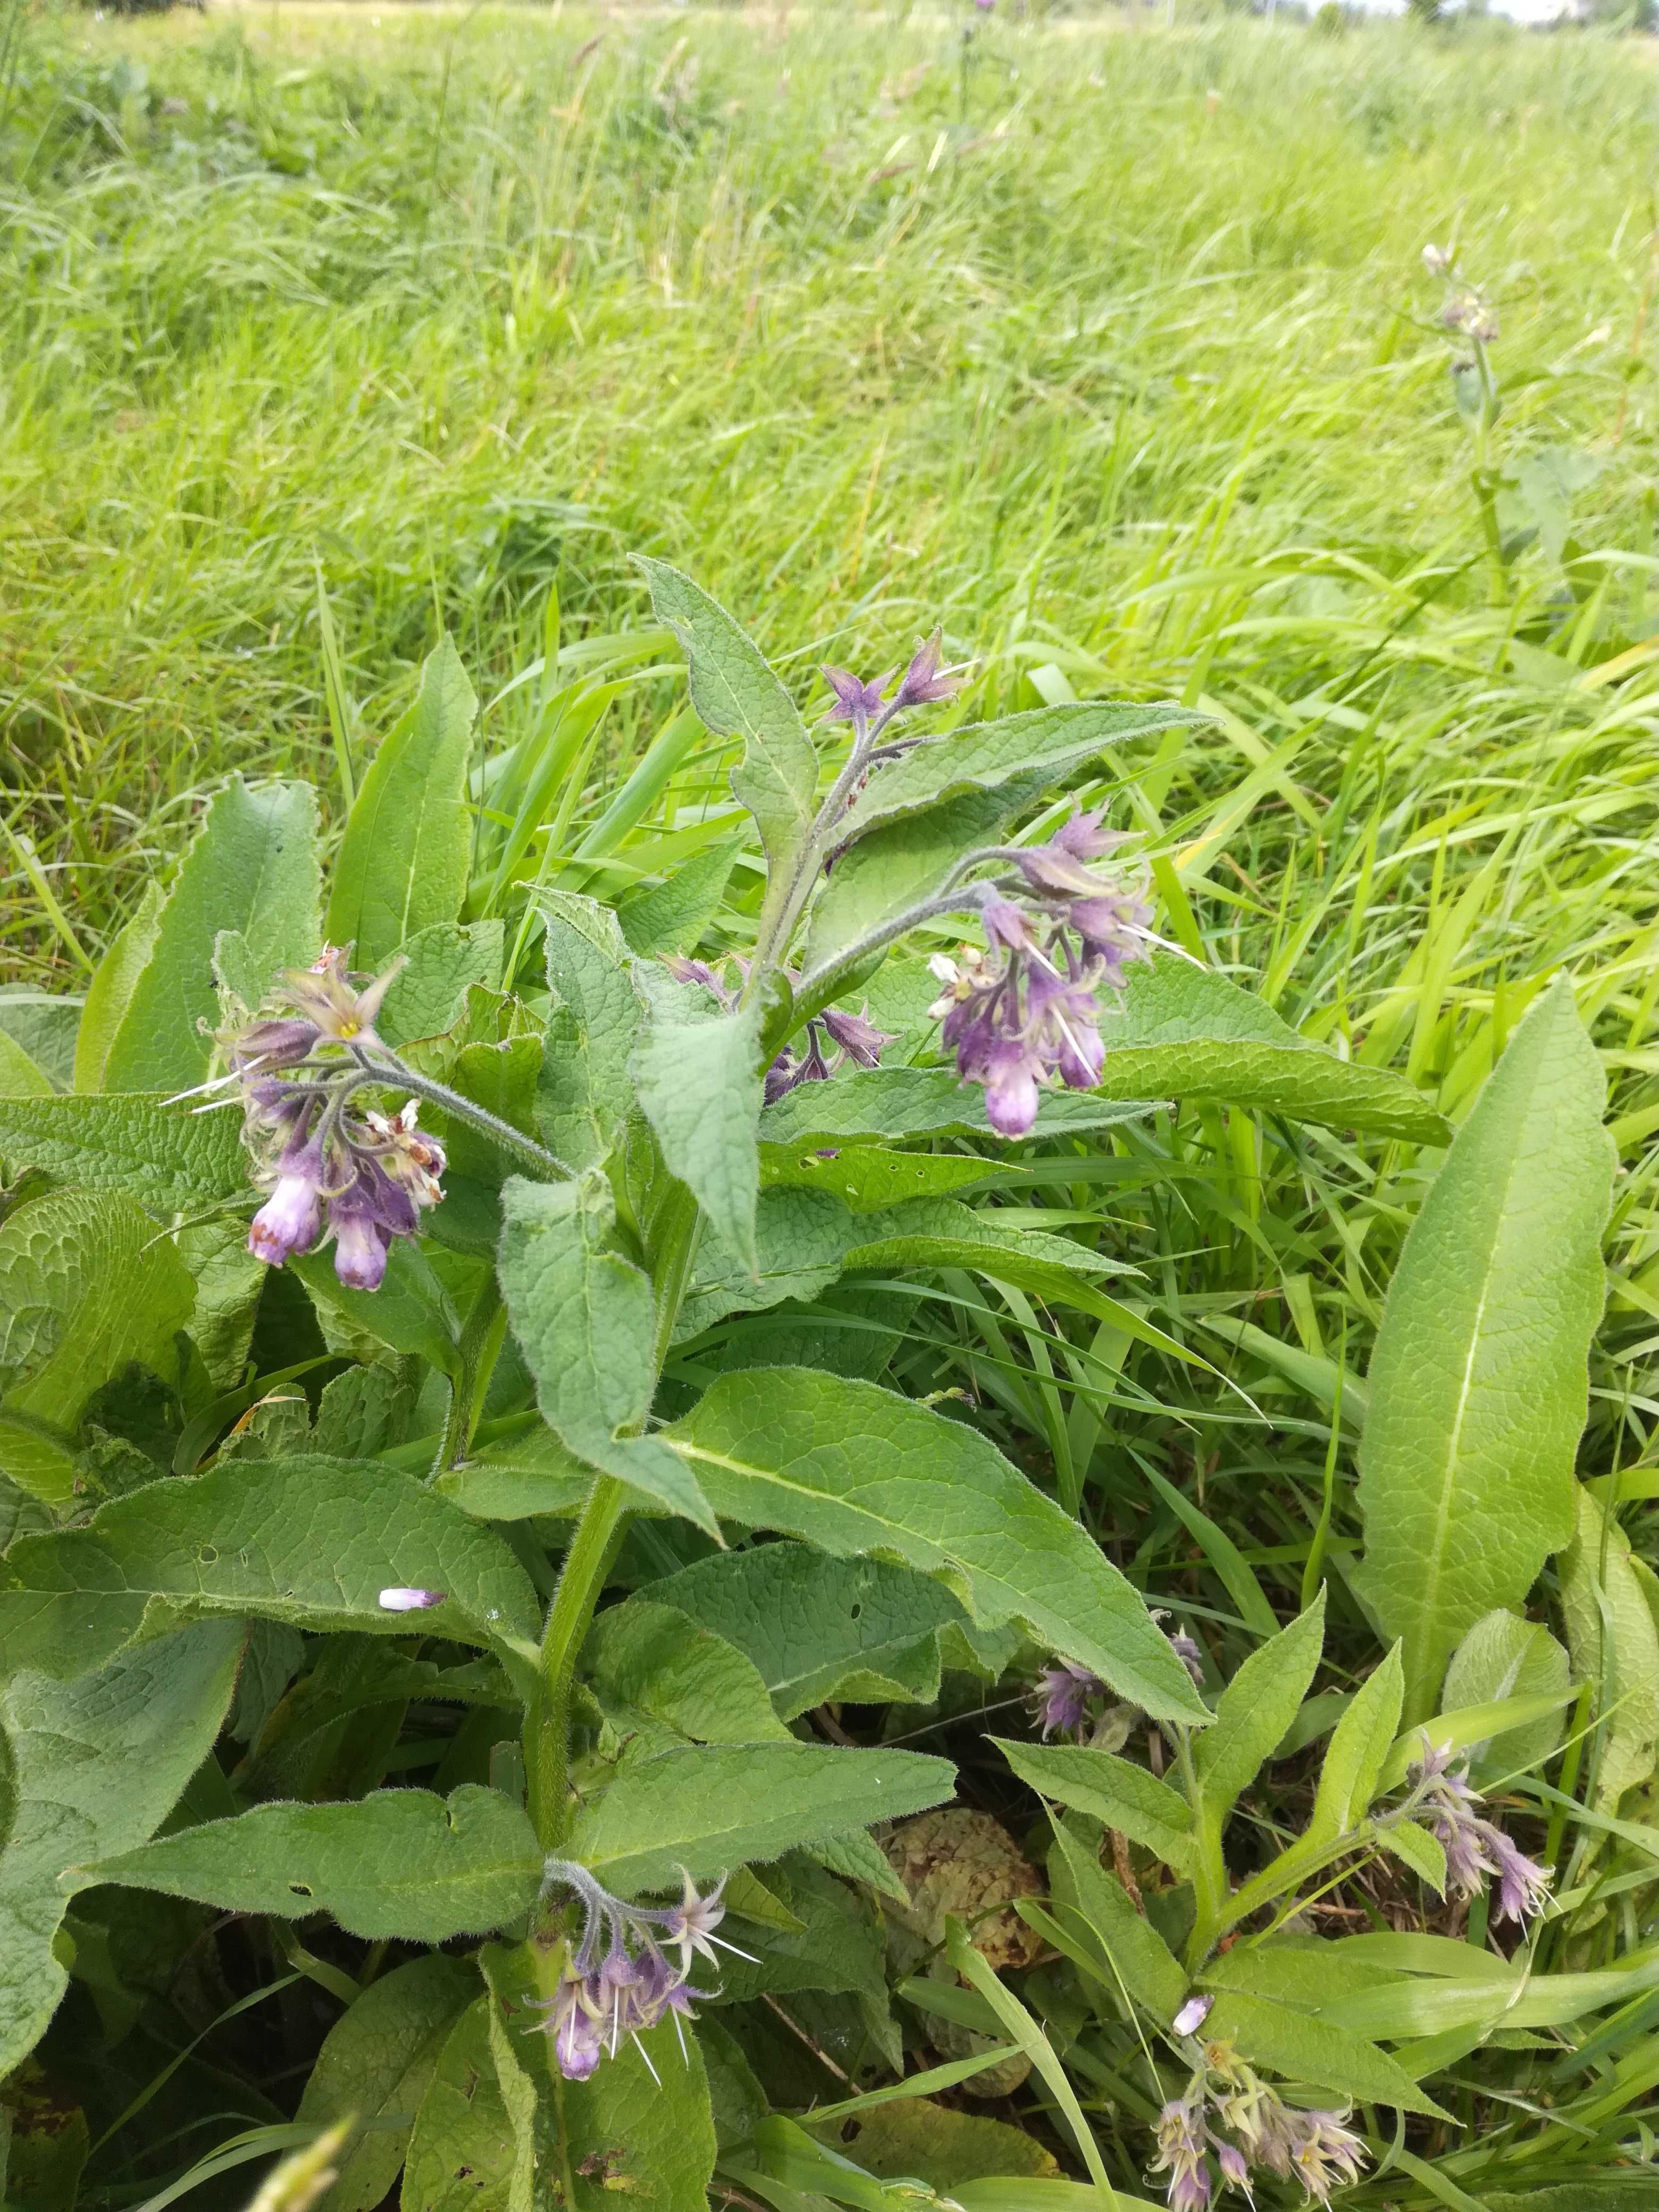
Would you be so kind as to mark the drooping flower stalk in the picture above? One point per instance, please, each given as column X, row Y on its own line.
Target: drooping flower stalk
column 1474, row 1847
column 1227, row 2111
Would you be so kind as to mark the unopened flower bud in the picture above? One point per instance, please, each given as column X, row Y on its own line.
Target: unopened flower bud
column 410, row 1601
column 1192, row 2014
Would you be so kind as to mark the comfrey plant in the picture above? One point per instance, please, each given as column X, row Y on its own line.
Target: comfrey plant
column 454, row 1517
column 1233, row 1955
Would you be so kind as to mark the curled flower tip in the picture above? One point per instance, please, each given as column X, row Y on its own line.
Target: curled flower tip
column 410, row 1601
column 1235, row 2169
column 856, row 701
column 1063, row 1693
column 1191, row 1657
column 1006, row 924
column 291, row 1218
column 1085, row 839
column 1193, row 2015
column 857, row 1036
column 1523, row 1885
column 924, row 680
column 1010, row 1074
column 1327, row 2154
column 279, row 1041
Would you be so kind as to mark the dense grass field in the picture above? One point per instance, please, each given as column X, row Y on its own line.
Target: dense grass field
column 1109, row 346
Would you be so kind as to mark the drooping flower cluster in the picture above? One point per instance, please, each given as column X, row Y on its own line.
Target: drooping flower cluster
column 1474, row 1848
column 854, row 1039
column 1466, row 313
column 619, row 1980
column 1026, row 1013
column 1067, row 1697
column 1228, row 2114
column 333, row 1169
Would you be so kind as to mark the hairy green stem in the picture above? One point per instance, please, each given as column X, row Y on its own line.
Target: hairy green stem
column 593, row 1546
column 391, row 1073
column 477, row 1351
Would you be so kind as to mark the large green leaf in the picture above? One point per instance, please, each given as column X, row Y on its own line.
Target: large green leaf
column 110, row 992
column 1614, row 1639
column 1114, row 1790
column 869, row 1178
column 1504, row 1656
column 400, row 1863
column 1255, row 1709
column 1351, row 1771
column 444, row 961
column 19, row 1076
column 171, row 1160
column 586, row 1089
column 584, row 1318
column 95, row 1765
column 818, row 1627
column 465, row 2153
column 86, row 1286
column 805, row 1238
column 711, row 1809
column 310, row 1542
column 1479, row 1383
column 738, row 695
column 639, row 2130
column 900, row 863
column 403, row 862
column 854, row 1469
column 657, row 1661
column 697, row 1077
column 890, row 1103
column 1182, row 1031
column 1295, row 2044
column 987, row 755
column 251, row 868
column 1132, row 1954
column 375, row 2067
column 411, row 1312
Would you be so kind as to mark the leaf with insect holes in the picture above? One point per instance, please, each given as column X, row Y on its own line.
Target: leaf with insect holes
column 1479, row 1383
column 1115, row 1790
column 169, row 1159
column 308, row 1540
column 853, row 1468
column 399, row 1863
column 711, row 1808
column 466, row 2152
column 869, row 1178
column 403, row 861
column 820, row 1628
column 697, row 1077
column 375, row 2065
column 252, row 867
column 738, row 695
column 640, row 2130
column 584, row 1318
column 95, row 1766
column 87, row 1287
column 656, row 1660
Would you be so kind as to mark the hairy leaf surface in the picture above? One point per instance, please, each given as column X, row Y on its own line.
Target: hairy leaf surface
column 854, row 1469
column 1479, row 1383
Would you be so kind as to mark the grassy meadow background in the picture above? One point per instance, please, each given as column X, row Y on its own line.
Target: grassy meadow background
column 1105, row 343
